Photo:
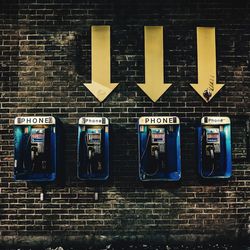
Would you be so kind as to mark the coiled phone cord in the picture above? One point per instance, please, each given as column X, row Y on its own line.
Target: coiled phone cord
column 89, row 165
column 25, row 150
column 211, row 151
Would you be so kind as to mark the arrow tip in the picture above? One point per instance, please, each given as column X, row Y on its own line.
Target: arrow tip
column 155, row 92
column 100, row 91
column 207, row 94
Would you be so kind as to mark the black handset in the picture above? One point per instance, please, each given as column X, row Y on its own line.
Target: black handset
column 84, row 147
column 40, row 143
column 25, row 150
column 211, row 148
column 94, row 149
column 156, row 148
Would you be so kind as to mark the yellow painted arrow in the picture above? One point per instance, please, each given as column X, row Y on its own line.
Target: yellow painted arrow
column 154, row 85
column 101, row 85
column 207, row 86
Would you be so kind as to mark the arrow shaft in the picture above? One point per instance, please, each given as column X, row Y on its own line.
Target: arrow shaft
column 100, row 54
column 153, row 42
column 206, row 55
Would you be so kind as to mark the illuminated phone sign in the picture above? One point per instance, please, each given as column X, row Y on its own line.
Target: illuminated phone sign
column 213, row 120
column 151, row 120
column 93, row 121
column 33, row 120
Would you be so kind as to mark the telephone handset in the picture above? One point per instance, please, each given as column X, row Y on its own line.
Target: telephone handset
column 156, row 147
column 211, row 146
column 94, row 149
column 37, row 150
column 157, row 142
column 25, row 149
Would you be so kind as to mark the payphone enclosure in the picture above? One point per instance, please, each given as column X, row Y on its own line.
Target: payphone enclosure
column 93, row 148
column 159, row 148
column 214, row 147
column 35, row 148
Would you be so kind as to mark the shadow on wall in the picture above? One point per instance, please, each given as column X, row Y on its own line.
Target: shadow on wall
column 82, row 58
column 10, row 51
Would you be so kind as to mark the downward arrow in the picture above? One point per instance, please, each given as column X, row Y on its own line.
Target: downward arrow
column 207, row 86
column 101, row 85
column 154, row 85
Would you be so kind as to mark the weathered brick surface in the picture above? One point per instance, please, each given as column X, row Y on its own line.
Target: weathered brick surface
column 45, row 59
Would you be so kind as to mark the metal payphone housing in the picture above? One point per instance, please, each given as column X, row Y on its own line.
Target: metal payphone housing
column 93, row 148
column 36, row 148
column 214, row 147
column 159, row 148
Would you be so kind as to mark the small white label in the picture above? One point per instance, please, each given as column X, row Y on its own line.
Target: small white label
column 96, row 196
column 41, row 196
column 93, row 121
column 35, row 120
column 163, row 120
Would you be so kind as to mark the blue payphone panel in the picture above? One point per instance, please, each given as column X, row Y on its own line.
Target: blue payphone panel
column 93, row 148
column 36, row 148
column 159, row 148
column 214, row 147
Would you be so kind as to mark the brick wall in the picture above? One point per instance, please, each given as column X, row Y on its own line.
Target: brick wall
column 45, row 59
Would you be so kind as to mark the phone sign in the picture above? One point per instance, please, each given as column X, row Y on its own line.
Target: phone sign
column 35, row 120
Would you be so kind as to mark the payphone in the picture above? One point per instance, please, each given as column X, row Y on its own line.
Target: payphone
column 93, row 148
column 36, row 148
column 159, row 148
column 214, row 147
